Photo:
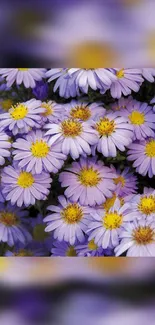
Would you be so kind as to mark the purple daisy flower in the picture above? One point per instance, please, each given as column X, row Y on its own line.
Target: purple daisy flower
column 126, row 182
column 137, row 239
column 63, row 249
column 114, row 133
column 141, row 117
column 94, row 78
column 65, row 83
column 22, row 117
column 105, row 227
column 35, row 153
column 22, row 75
column 68, row 220
column 89, row 248
column 143, row 155
column 21, row 187
column 148, row 74
column 143, row 205
column 12, row 230
column 52, row 113
column 121, row 103
column 5, row 145
column 75, row 136
column 84, row 111
column 88, row 181
column 127, row 80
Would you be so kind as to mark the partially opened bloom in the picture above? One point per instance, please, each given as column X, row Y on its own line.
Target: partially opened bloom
column 105, row 226
column 137, row 239
column 23, row 75
column 68, row 220
column 89, row 248
column 127, row 80
column 5, row 145
column 12, row 230
column 75, row 136
column 126, row 182
column 84, row 111
column 53, row 111
column 35, row 154
column 22, row 117
column 121, row 103
column 63, row 249
column 100, row 78
column 21, row 187
column 114, row 133
column 143, row 155
column 141, row 117
column 88, row 181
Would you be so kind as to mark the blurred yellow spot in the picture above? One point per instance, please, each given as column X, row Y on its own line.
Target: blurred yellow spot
column 92, row 246
column 23, row 69
column 23, row 253
column 91, row 55
column 6, row 104
column 150, row 44
column 110, row 265
column 71, row 251
column 3, row 264
column 120, row 180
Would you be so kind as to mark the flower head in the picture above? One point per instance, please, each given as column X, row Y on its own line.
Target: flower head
column 137, row 239
column 89, row 248
column 23, row 75
column 88, row 181
column 75, row 136
column 143, row 205
column 68, row 220
column 22, row 117
column 84, row 111
column 23, row 187
column 35, row 154
column 126, row 182
column 63, row 249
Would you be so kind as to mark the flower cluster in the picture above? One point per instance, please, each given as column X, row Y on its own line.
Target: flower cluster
column 77, row 174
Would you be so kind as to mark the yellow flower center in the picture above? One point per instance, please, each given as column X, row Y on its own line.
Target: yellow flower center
column 120, row 73
column 25, row 180
column 39, row 233
column 23, row 69
column 48, row 109
column 18, row 112
column 108, row 204
column 119, row 180
column 112, row 221
column 105, row 127
column 8, row 218
column 23, row 253
column 147, row 204
column 91, row 54
column 71, row 251
column 150, row 149
column 143, row 235
column 92, row 246
column 72, row 213
column 71, row 128
column 6, row 104
column 137, row 118
column 81, row 112
column 40, row 149
column 89, row 177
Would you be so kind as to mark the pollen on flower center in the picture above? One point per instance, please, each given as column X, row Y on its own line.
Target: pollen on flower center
column 105, row 127
column 71, row 251
column 81, row 112
column 39, row 233
column 120, row 180
column 23, row 69
column 40, row 149
column 120, row 73
column 6, row 104
column 92, row 246
column 150, row 149
column 48, row 109
column 137, row 118
column 143, row 235
column 89, row 177
column 112, row 220
column 23, row 253
column 72, row 213
column 25, row 180
column 18, row 112
column 108, row 204
column 147, row 204
column 8, row 218
column 71, row 128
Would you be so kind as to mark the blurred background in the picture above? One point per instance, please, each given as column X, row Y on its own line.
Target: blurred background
column 79, row 33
